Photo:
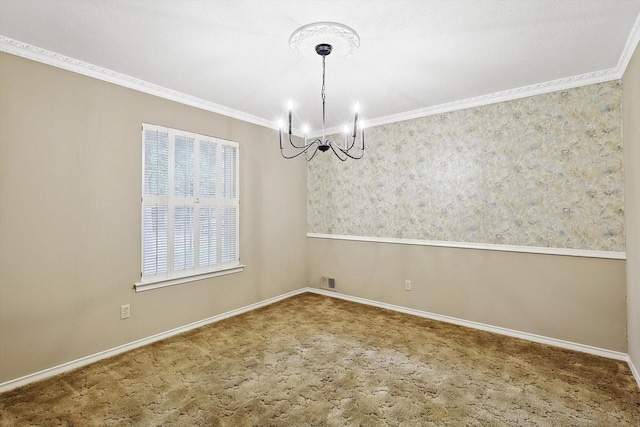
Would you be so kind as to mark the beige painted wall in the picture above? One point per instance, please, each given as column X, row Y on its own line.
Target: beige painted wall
column 70, row 178
column 581, row 300
column 631, row 126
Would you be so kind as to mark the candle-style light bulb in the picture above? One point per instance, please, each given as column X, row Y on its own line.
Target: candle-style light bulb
column 305, row 131
column 356, row 108
column 290, row 108
column 345, row 130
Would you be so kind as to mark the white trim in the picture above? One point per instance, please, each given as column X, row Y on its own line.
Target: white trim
column 507, row 95
column 571, row 82
column 480, row 246
column 634, row 371
column 35, row 53
column 629, row 47
column 84, row 361
column 492, row 98
column 610, row 354
column 147, row 286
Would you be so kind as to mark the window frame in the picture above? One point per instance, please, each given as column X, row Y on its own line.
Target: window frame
column 174, row 276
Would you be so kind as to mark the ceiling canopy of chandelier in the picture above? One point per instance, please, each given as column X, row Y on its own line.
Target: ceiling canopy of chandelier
column 324, row 38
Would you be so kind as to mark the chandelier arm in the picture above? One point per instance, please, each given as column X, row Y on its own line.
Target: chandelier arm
column 353, row 142
column 299, row 146
column 346, row 152
column 338, row 155
column 315, row 142
column 308, row 159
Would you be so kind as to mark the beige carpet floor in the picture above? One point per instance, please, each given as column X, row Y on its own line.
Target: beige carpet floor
column 312, row 360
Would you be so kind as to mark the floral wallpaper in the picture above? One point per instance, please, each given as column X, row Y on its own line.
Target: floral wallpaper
column 541, row 171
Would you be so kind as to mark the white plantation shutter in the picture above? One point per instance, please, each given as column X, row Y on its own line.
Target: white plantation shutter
column 229, row 177
column 229, row 219
column 183, row 238
column 229, row 233
column 155, row 211
column 190, row 204
column 208, row 173
column 155, row 240
column 208, row 238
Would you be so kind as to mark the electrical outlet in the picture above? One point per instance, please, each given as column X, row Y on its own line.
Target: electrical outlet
column 125, row 311
column 407, row 285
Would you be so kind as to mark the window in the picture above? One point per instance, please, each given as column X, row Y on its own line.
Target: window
column 190, row 207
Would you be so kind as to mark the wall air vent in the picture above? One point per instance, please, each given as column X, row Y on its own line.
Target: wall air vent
column 327, row 283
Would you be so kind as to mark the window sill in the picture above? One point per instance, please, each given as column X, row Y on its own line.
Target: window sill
column 147, row 286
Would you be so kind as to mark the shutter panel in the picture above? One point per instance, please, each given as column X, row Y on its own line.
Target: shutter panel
column 208, row 173
column 183, row 219
column 229, row 172
column 208, row 236
column 183, row 238
column 155, row 240
column 229, row 234
column 184, row 167
column 156, row 162
column 155, row 211
column 229, row 220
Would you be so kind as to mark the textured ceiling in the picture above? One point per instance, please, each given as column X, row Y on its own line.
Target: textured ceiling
column 413, row 54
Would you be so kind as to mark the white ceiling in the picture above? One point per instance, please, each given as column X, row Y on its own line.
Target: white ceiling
column 413, row 55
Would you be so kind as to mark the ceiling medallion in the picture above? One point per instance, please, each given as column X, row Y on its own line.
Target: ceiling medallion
column 343, row 39
column 325, row 38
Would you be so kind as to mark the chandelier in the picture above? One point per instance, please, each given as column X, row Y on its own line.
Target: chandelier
column 326, row 36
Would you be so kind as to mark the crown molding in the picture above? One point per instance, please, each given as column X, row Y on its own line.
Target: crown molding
column 507, row 95
column 629, row 47
column 494, row 98
column 34, row 53
column 44, row 56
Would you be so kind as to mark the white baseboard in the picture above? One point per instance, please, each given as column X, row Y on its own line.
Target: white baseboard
column 481, row 326
column 634, row 371
column 65, row 367
column 84, row 361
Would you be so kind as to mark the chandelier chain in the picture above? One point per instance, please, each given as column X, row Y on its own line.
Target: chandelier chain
column 323, row 90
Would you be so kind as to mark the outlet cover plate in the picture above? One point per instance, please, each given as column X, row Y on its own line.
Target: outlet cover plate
column 125, row 311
